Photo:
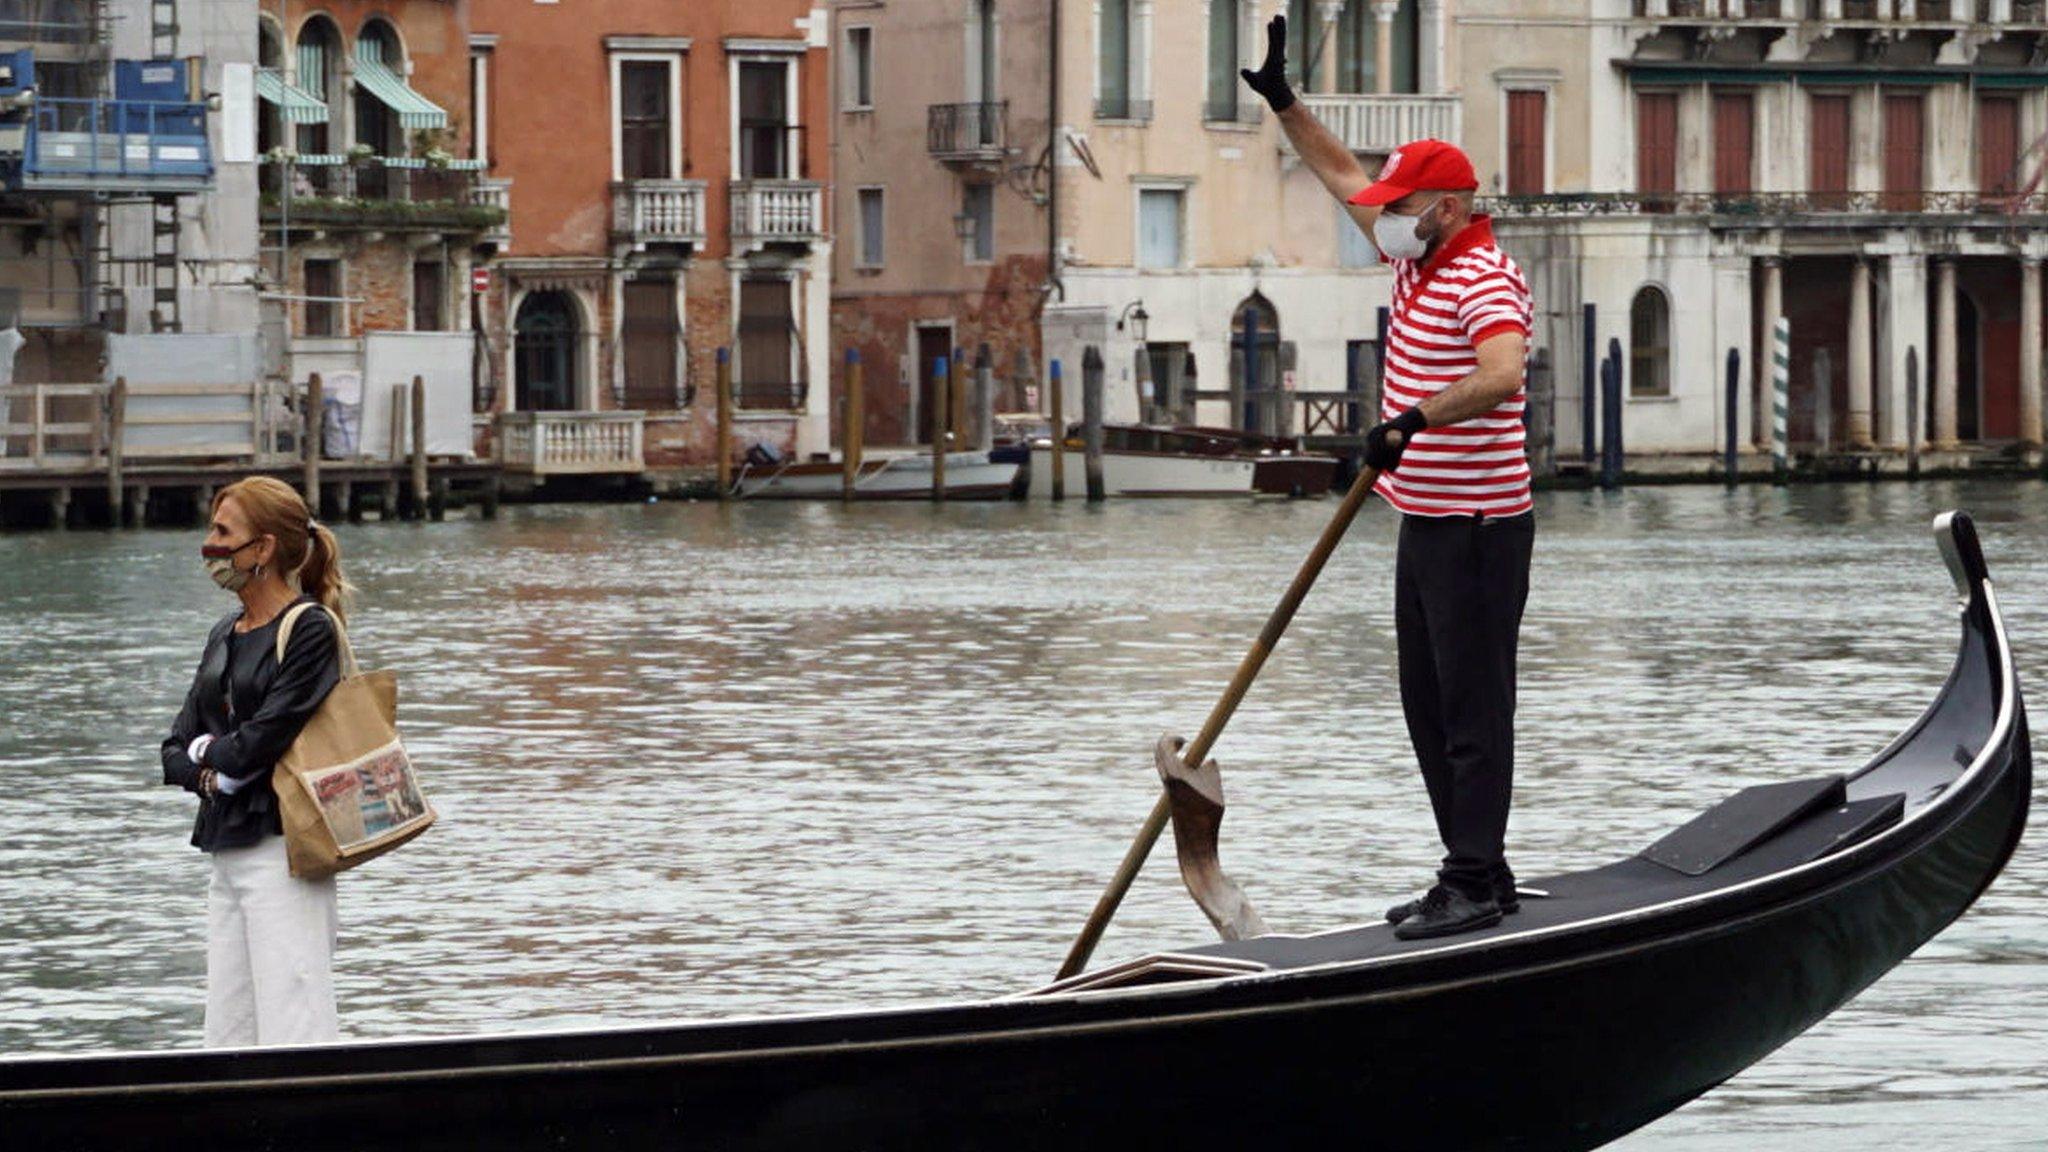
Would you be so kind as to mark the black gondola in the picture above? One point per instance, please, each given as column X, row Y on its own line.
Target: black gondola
column 1628, row 991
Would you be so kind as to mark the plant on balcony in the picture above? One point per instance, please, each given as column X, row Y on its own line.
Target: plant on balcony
column 399, row 215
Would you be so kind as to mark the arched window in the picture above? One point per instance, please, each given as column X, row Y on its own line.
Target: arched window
column 1649, row 339
column 546, row 336
column 376, row 122
column 319, row 75
column 1255, row 362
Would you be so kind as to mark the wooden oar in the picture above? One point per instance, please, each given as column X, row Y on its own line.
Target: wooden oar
column 1198, row 750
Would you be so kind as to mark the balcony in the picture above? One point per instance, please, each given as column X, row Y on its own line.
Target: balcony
column 546, row 444
column 1866, row 13
column 768, row 212
column 967, row 133
column 495, row 193
column 646, row 212
column 111, row 145
column 381, row 193
column 1776, row 207
column 1379, row 124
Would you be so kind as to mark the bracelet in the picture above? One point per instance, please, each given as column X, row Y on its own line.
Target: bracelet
column 206, row 783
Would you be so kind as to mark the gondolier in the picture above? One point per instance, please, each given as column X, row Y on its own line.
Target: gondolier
column 1451, row 458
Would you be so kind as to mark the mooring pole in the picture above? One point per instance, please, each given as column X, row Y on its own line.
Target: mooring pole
column 1781, row 399
column 1059, row 434
column 853, row 425
column 724, row 437
column 420, row 511
column 313, row 427
column 1610, row 429
column 117, row 439
column 1734, row 383
column 1589, row 364
column 1091, row 419
column 941, row 422
column 1912, row 413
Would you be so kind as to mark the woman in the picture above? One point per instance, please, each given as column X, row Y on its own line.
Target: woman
column 270, row 935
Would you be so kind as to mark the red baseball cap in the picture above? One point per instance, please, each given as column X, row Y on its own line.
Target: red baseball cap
column 1420, row 165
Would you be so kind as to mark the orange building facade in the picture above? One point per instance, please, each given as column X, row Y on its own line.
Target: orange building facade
column 672, row 171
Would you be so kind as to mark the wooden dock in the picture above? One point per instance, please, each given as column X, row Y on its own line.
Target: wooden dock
column 75, row 455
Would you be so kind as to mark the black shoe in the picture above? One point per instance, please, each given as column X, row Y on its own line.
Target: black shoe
column 1447, row 913
column 1504, row 897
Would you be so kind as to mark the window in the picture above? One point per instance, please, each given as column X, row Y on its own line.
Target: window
column 319, row 74
column 978, row 201
column 1649, row 327
column 1224, row 22
column 1528, row 123
column 1159, row 227
column 860, row 68
column 644, row 128
column 377, row 124
column 1828, row 149
column 429, row 296
column 764, row 128
column 1657, row 143
column 872, row 222
column 323, row 286
column 652, row 336
column 1358, row 43
column 1905, row 150
column 1354, row 247
column 1734, row 142
column 1170, row 401
column 767, row 346
column 1113, row 66
column 1998, row 144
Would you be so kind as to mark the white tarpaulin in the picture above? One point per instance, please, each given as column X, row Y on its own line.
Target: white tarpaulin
column 442, row 361
column 165, row 358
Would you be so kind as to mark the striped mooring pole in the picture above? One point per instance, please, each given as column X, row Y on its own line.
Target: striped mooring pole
column 1781, row 396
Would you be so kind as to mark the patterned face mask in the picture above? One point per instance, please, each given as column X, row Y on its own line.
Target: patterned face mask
column 220, row 564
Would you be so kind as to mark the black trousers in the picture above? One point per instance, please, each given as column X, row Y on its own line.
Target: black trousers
column 1459, row 587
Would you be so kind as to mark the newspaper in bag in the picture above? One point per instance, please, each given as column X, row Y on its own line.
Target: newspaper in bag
column 368, row 799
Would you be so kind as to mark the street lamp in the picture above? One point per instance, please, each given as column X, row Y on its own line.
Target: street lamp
column 1135, row 313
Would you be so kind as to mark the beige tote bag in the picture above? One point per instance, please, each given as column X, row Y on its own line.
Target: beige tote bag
column 345, row 787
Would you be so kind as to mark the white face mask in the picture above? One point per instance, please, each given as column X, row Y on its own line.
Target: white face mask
column 1400, row 237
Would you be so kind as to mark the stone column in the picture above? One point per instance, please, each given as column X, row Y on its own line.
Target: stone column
column 1429, row 34
column 1760, row 365
column 1943, row 432
column 2030, row 349
column 1858, row 427
column 1905, row 320
column 1326, row 56
column 1383, row 45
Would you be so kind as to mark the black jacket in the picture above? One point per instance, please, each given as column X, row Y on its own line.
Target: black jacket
column 254, row 708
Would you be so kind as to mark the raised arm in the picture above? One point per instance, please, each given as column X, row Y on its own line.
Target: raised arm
column 1319, row 149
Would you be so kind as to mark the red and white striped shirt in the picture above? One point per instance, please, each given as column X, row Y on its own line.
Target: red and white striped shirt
column 1444, row 307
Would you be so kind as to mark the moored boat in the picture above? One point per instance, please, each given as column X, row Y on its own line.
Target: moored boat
column 1617, row 994
column 969, row 476
column 1143, row 460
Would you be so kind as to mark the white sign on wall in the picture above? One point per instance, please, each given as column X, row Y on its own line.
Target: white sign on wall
column 238, row 113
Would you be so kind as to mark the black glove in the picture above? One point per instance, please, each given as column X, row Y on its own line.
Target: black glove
column 1383, row 454
column 1270, row 80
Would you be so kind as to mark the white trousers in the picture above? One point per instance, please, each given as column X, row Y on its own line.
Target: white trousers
column 269, row 951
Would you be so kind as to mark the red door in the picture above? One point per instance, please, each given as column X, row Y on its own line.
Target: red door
column 1657, row 145
column 1905, row 150
column 1998, row 145
column 1828, row 150
column 1525, row 143
column 1734, row 142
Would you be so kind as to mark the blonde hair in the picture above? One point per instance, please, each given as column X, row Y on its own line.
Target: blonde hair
column 275, row 509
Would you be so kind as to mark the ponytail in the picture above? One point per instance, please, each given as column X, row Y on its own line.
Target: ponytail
column 322, row 578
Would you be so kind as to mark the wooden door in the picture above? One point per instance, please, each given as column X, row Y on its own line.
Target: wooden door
column 1998, row 146
column 1734, row 142
column 1657, row 145
column 1828, row 150
column 1905, row 150
column 1526, row 117
column 933, row 343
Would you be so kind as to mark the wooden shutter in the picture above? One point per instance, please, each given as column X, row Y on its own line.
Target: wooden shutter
column 649, row 330
column 1998, row 145
column 766, row 344
column 1828, row 150
column 1525, row 143
column 429, row 286
column 1657, row 143
column 1905, row 150
column 1734, row 142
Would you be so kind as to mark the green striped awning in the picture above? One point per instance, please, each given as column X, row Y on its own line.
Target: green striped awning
column 295, row 104
column 414, row 110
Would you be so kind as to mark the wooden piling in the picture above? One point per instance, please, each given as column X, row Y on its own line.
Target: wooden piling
column 494, row 490
column 984, row 404
column 1733, row 396
column 420, row 509
column 1059, row 432
column 941, row 423
column 346, row 504
column 724, row 436
column 1912, row 413
column 437, row 498
column 311, row 430
column 1091, row 419
column 60, row 507
column 117, row 437
column 853, row 425
column 388, row 508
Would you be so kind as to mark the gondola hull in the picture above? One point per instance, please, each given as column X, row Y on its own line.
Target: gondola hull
column 1551, row 1038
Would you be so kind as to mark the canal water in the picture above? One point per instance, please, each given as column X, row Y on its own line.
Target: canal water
column 696, row 760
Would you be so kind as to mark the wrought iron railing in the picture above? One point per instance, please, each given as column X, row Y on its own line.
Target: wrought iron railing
column 774, row 395
column 1765, row 204
column 954, row 131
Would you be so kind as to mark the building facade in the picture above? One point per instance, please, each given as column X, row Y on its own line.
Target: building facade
column 1164, row 221
column 374, row 208
column 1695, row 170
column 672, row 165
